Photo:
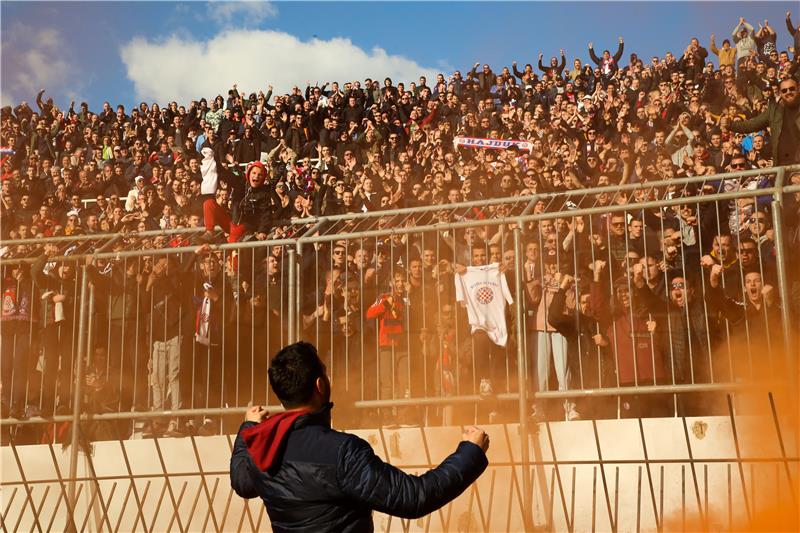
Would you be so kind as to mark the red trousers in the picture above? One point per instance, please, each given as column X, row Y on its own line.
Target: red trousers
column 215, row 215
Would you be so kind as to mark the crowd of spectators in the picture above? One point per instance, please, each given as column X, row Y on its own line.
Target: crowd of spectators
column 250, row 163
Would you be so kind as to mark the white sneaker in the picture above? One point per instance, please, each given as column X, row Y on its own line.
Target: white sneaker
column 486, row 389
column 537, row 417
column 570, row 412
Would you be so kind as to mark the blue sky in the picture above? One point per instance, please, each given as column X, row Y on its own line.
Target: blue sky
column 157, row 51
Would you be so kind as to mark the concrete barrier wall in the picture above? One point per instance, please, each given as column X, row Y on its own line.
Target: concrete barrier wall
column 127, row 485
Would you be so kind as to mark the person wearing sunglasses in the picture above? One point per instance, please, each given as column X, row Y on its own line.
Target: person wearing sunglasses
column 783, row 119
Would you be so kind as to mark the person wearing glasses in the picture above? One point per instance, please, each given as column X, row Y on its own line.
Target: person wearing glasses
column 783, row 120
column 683, row 322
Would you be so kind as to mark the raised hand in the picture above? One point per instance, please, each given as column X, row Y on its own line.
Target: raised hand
column 476, row 436
column 255, row 414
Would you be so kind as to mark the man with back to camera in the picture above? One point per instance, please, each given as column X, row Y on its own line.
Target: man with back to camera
column 313, row 478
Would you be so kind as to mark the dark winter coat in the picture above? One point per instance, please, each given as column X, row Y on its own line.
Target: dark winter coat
column 325, row 480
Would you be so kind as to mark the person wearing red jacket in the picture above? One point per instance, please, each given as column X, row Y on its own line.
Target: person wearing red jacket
column 393, row 364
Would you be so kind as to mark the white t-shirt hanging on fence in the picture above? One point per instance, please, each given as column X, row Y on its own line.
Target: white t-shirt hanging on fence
column 485, row 292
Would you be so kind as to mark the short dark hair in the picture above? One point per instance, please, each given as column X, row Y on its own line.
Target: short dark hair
column 293, row 373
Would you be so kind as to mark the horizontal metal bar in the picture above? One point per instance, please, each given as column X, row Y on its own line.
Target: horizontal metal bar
column 550, row 195
column 495, row 464
column 436, row 400
column 133, row 415
column 160, row 251
column 541, row 216
column 575, row 393
column 101, row 236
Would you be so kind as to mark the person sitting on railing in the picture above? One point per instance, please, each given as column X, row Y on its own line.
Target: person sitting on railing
column 253, row 200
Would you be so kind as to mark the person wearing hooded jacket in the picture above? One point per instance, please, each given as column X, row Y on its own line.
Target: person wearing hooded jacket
column 253, row 201
column 313, row 478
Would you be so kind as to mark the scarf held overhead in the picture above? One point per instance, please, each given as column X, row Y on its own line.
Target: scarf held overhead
column 493, row 144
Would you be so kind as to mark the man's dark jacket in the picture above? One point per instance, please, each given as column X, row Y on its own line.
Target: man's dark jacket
column 325, row 480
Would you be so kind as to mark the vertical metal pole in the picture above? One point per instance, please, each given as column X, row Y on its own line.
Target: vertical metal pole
column 292, row 332
column 76, row 405
column 522, row 381
column 783, row 289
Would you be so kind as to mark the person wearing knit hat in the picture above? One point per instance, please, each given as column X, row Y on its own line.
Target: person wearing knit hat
column 253, row 202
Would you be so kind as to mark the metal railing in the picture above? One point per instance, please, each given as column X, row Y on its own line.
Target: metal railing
column 139, row 336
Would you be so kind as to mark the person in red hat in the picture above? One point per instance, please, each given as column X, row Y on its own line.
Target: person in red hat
column 253, row 202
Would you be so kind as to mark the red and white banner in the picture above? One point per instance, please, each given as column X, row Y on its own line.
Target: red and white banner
column 492, row 144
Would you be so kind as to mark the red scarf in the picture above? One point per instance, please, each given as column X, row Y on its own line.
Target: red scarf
column 264, row 440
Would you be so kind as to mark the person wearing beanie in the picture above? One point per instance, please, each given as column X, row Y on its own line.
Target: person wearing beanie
column 253, row 202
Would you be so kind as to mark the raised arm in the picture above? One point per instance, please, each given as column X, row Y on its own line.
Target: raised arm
column 620, row 49
column 754, row 124
column 714, row 49
column 594, row 56
column 244, row 472
column 382, row 487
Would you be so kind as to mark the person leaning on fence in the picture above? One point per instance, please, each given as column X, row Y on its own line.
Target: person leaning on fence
column 628, row 329
column 119, row 307
column 313, row 478
column 551, row 345
column 59, row 286
column 483, row 290
column 16, row 328
column 753, row 319
column 589, row 366
column 391, row 313
column 163, row 296
column 685, row 336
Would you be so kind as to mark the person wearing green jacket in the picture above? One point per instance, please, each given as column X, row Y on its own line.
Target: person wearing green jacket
column 783, row 120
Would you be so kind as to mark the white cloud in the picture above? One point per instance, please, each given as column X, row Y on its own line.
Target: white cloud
column 33, row 59
column 246, row 13
column 183, row 69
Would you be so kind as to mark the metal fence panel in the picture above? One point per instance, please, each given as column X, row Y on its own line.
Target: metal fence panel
column 645, row 300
